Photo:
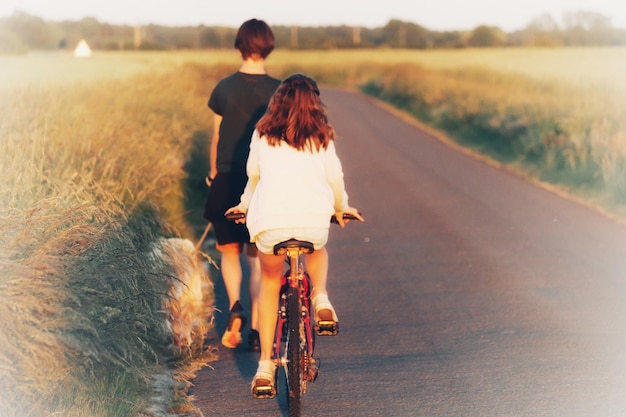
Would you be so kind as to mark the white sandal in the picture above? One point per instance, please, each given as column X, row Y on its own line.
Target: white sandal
column 263, row 381
column 326, row 321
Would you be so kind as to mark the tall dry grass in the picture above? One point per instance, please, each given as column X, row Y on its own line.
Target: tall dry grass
column 92, row 175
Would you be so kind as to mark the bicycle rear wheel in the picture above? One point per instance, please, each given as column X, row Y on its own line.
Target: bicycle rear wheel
column 294, row 375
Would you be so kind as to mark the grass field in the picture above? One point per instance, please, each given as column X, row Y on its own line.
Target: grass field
column 597, row 67
column 101, row 157
column 581, row 66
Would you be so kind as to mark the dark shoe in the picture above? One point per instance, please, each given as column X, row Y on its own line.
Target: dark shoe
column 236, row 321
column 254, row 343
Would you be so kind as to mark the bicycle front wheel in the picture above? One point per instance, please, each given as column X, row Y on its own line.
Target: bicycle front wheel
column 294, row 374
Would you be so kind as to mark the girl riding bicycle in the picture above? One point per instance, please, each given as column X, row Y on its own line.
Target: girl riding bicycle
column 295, row 184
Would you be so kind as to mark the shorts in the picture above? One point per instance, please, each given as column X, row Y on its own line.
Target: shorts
column 225, row 192
column 266, row 240
column 238, row 248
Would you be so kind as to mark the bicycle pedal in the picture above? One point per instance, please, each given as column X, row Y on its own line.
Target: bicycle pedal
column 264, row 392
column 313, row 372
column 327, row 328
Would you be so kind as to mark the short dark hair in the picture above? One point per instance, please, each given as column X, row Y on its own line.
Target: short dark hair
column 254, row 37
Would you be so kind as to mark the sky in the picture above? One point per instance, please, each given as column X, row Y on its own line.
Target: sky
column 432, row 14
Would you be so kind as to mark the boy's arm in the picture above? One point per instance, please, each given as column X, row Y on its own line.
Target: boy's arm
column 217, row 121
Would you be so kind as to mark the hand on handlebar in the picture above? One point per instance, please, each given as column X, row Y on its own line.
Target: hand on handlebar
column 237, row 213
column 343, row 217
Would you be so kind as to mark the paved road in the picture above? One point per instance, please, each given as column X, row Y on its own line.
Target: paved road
column 468, row 292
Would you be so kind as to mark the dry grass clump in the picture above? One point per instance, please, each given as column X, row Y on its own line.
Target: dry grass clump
column 189, row 294
column 93, row 176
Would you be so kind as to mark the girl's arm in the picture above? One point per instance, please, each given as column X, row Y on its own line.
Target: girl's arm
column 334, row 176
column 252, row 169
column 247, row 193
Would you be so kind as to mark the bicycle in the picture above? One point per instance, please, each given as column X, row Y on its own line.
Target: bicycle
column 294, row 340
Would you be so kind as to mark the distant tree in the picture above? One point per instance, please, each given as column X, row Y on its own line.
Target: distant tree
column 542, row 31
column 340, row 36
column 33, row 31
column 309, row 38
column 90, row 29
column 282, row 35
column 217, row 37
column 586, row 20
column 450, row 39
column 399, row 34
column 543, row 23
column 167, row 37
column 377, row 36
column 10, row 43
column 484, row 36
column 417, row 36
column 22, row 31
column 587, row 28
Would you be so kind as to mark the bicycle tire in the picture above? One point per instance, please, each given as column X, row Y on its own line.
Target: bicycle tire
column 294, row 374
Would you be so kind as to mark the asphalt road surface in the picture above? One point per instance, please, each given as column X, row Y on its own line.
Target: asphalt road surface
column 467, row 292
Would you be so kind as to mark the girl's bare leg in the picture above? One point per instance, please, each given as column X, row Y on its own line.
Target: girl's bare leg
column 325, row 317
column 317, row 267
column 271, row 271
column 255, row 286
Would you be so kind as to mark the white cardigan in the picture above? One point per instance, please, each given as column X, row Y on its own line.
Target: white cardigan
column 288, row 188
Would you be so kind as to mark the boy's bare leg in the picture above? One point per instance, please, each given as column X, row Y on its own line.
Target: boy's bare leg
column 232, row 275
column 230, row 267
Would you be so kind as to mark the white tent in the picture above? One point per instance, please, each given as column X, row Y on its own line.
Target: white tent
column 82, row 49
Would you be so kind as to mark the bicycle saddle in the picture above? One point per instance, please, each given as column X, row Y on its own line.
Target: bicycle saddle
column 304, row 246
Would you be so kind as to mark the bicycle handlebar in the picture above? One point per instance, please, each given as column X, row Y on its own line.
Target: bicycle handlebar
column 346, row 216
column 237, row 215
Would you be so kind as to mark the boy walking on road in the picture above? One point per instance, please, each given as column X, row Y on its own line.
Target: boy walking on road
column 238, row 102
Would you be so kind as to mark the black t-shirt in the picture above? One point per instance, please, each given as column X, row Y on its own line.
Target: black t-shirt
column 241, row 99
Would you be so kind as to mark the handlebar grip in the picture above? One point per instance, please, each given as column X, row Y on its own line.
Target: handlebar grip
column 333, row 219
column 346, row 216
column 235, row 216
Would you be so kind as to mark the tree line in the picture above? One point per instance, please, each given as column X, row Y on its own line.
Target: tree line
column 22, row 32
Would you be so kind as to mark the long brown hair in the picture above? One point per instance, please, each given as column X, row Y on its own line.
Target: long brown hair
column 296, row 115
